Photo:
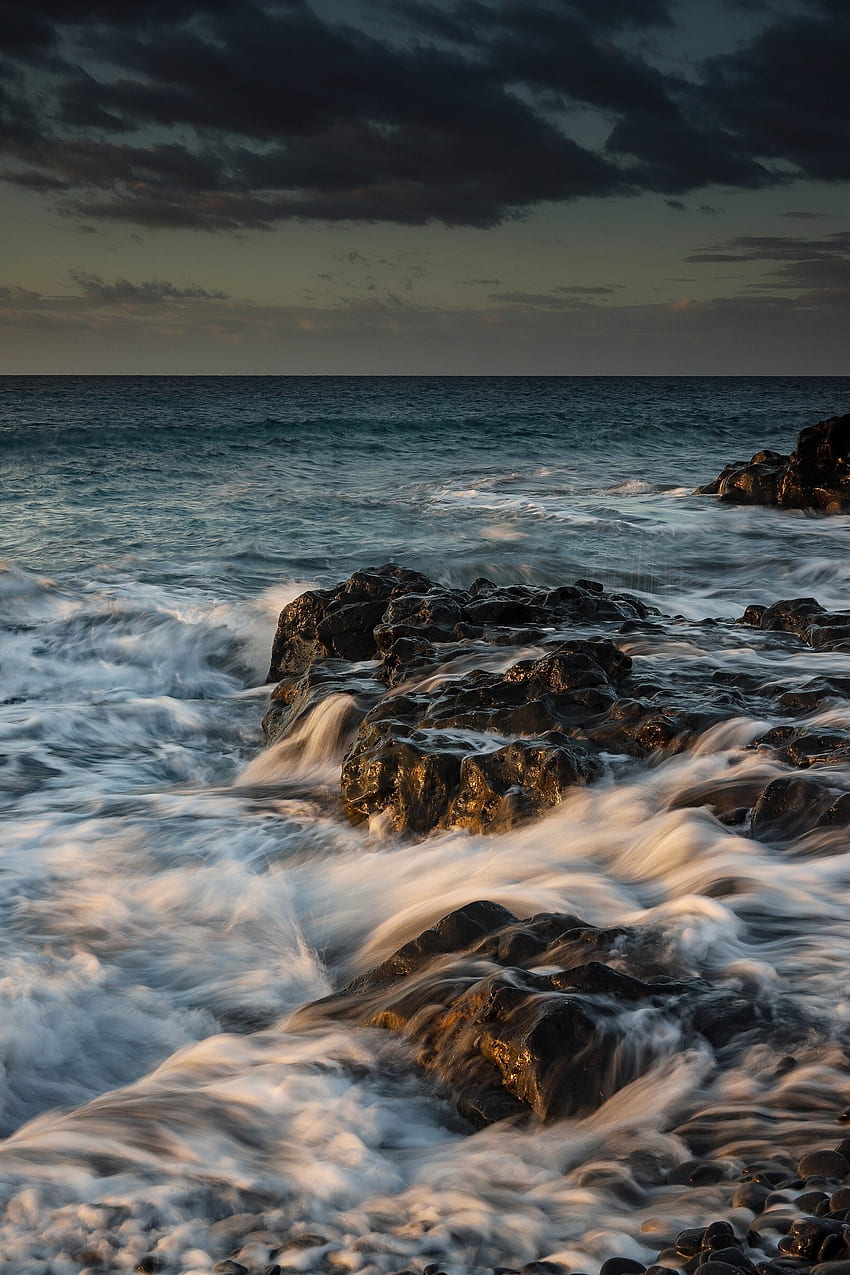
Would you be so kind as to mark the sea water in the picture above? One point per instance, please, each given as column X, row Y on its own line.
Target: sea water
column 170, row 893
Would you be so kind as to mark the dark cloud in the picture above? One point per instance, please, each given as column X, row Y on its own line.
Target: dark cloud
column 460, row 22
column 234, row 114
column 597, row 290
column 152, row 292
column 557, row 299
column 816, row 270
column 785, row 92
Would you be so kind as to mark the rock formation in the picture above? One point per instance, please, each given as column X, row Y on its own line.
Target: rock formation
column 815, row 476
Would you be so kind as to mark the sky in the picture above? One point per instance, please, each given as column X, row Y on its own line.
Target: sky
column 441, row 187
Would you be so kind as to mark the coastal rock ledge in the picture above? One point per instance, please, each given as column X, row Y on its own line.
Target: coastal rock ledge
column 815, row 476
column 480, row 708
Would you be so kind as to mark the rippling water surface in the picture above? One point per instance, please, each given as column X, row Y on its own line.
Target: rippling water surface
column 169, row 897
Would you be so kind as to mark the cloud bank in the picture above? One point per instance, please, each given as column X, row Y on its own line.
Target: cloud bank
column 225, row 115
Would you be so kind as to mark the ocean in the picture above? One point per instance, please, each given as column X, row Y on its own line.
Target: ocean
column 171, row 894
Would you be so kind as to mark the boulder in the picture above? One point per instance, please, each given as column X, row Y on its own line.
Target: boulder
column 815, row 476
column 824, row 630
column 508, row 1040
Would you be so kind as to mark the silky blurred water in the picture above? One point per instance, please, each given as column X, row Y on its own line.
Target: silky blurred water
column 165, row 906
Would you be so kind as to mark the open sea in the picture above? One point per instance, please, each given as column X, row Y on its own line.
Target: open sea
column 167, row 903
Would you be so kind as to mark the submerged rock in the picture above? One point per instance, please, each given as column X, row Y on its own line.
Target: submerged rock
column 508, row 1039
column 815, row 476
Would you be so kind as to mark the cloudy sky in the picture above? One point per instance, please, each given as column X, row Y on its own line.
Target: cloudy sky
column 425, row 186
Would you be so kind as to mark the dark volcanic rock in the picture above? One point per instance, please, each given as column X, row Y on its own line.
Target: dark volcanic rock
column 443, row 730
column 507, row 1040
column 792, row 807
column 824, row 630
column 815, row 476
column 482, row 750
column 338, row 622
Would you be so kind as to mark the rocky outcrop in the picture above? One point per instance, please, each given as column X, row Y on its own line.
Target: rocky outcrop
column 508, row 1040
column 479, row 708
column 815, row 476
column 435, row 749
column 807, row 619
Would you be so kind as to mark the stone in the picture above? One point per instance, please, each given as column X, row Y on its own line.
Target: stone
column 815, row 476
column 507, row 1040
column 826, row 1163
column 790, row 807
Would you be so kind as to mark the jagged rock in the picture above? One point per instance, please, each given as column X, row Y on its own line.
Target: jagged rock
column 365, row 616
column 815, row 476
column 339, row 622
column 507, row 1040
column 442, row 743
column 294, row 697
column 421, row 758
column 824, row 630
column 802, row 747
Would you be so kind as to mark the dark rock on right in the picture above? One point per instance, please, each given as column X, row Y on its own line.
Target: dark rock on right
column 815, row 476
column 807, row 619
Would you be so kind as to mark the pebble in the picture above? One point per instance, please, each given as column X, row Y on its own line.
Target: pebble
column 718, row 1268
column 750, row 1195
column 689, row 1242
column 622, row 1266
column 827, row 1164
column 832, row 1247
column 731, row 1256
column 229, row 1267
column 809, row 1200
column 718, row 1230
column 697, row 1173
column 832, row 1268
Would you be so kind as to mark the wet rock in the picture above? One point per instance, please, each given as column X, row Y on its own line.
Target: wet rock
column 806, row 618
column 791, row 807
column 418, row 759
column 801, row 747
column 752, row 482
column 507, row 1040
column 338, row 622
column 295, row 697
column 419, row 756
column 826, row 1164
column 697, row 1173
column 815, row 476
column 750, row 1195
column 689, row 1242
